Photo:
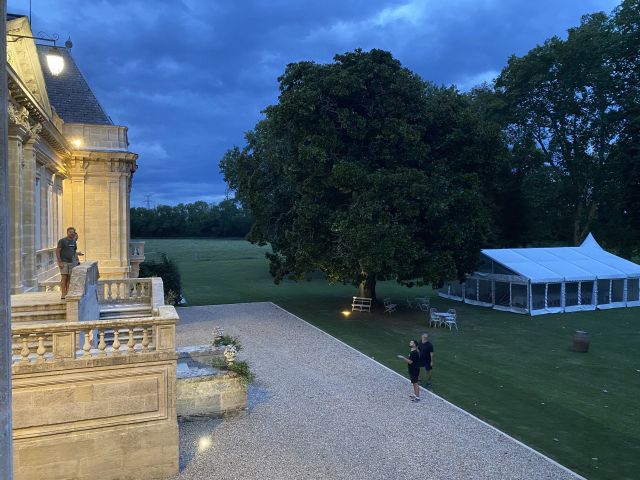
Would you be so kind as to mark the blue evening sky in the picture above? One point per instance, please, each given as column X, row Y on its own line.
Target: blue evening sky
column 189, row 77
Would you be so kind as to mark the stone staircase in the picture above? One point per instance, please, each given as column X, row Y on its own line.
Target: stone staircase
column 114, row 312
column 48, row 307
column 38, row 307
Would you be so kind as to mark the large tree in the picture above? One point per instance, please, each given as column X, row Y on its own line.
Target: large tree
column 365, row 172
column 571, row 116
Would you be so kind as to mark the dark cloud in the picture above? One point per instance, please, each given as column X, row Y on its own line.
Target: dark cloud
column 190, row 77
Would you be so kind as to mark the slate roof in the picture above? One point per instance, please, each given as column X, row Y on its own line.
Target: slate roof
column 69, row 92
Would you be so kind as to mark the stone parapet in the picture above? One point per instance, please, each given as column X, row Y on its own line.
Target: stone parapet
column 96, row 137
column 213, row 394
column 96, row 398
column 51, row 343
column 110, row 421
column 82, row 297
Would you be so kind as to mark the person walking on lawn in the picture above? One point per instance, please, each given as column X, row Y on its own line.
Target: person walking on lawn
column 413, row 363
column 66, row 256
column 425, row 348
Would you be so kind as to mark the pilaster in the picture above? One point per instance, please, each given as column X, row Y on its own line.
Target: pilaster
column 29, row 214
column 16, row 137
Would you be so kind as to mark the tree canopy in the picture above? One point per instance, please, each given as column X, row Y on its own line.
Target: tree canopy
column 570, row 113
column 198, row 219
column 366, row 172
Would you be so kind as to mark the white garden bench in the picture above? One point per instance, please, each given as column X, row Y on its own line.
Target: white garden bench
column 361, row 304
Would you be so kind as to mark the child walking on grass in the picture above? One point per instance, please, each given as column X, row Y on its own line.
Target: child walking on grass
column 413, row 363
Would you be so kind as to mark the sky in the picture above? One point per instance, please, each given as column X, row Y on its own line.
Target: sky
column 190, row 77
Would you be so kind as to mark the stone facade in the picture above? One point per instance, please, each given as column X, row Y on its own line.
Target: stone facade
column 94, row 375
column 114, row 418
column 63, row 173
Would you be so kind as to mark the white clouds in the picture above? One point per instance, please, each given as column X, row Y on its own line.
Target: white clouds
column 190, row 76
column 411, row 12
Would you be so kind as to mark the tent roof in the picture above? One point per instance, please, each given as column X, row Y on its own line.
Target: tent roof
column 589, row 261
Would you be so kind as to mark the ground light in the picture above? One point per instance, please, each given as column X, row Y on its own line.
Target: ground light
column 204, row 443
column 346, row 313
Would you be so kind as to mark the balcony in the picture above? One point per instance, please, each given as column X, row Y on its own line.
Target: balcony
column 101, row 380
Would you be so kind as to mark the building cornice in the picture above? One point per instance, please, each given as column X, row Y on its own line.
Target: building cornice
column 23, row 97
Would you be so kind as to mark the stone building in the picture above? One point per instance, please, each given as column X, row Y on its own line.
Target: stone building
column 93, row 375
column 69, row 166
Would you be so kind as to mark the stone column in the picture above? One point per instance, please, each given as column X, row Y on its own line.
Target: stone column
column 29, row 215
column 124, row 222
column 15, row 202
column 6, row 450
column 74, row 201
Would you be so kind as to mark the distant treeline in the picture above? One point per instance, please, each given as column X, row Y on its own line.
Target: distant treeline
column 199, row 219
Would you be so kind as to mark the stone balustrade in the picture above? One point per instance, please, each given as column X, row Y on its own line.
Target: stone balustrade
column 46, row 264
column 128, row 290
column 82, row 298
column 53, row 342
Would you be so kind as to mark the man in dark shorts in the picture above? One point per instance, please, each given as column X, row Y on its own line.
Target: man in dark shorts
column 66, row 256
column 413, row 363
column 426, row 356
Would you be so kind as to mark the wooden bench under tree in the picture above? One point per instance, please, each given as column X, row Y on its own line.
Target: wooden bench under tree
column 361, row 304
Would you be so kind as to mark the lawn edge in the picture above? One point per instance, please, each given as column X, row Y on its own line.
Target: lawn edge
column 551, row 460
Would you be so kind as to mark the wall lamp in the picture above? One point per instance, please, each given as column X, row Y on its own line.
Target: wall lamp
column 55, row 61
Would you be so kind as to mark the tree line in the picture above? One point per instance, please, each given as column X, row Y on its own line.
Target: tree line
column 365, row 171
column 199, row 219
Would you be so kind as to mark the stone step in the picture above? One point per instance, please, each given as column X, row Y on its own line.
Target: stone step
column 43, row 307
column 37, row 301
column 124, row 315
column 130, row 312
column 38, row 316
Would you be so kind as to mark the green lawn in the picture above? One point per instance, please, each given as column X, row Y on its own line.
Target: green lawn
column 514, row 371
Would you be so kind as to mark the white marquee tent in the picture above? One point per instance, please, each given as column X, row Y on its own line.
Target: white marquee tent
column 550, row 280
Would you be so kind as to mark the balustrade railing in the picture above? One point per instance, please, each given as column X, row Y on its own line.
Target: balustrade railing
column 82, row 299
column 128, row 290
column 46, row 264
column 51, row 342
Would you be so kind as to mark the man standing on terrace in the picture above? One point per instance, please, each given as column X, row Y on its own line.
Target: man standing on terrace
column 66, row 255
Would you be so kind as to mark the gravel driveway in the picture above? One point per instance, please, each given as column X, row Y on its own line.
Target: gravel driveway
column 321, row 410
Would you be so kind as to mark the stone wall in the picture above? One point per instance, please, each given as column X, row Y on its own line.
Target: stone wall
column 211, row 395
column 109, row 418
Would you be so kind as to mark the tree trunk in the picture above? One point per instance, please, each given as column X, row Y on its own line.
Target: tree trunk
column 367, row 287
column 580, row 229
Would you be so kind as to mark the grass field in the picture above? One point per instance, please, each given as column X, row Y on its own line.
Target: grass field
column 513, row 371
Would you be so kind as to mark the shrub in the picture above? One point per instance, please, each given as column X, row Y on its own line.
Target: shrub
column 228, row 340
column 168, row 271
column 240, row 368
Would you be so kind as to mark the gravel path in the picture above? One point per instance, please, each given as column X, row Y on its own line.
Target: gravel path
column 321, row 410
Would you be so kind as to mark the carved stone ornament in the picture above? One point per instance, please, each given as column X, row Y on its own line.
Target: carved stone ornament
column 230, row 354
column 120, row 166
column 18, row 115
column 34, row 130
